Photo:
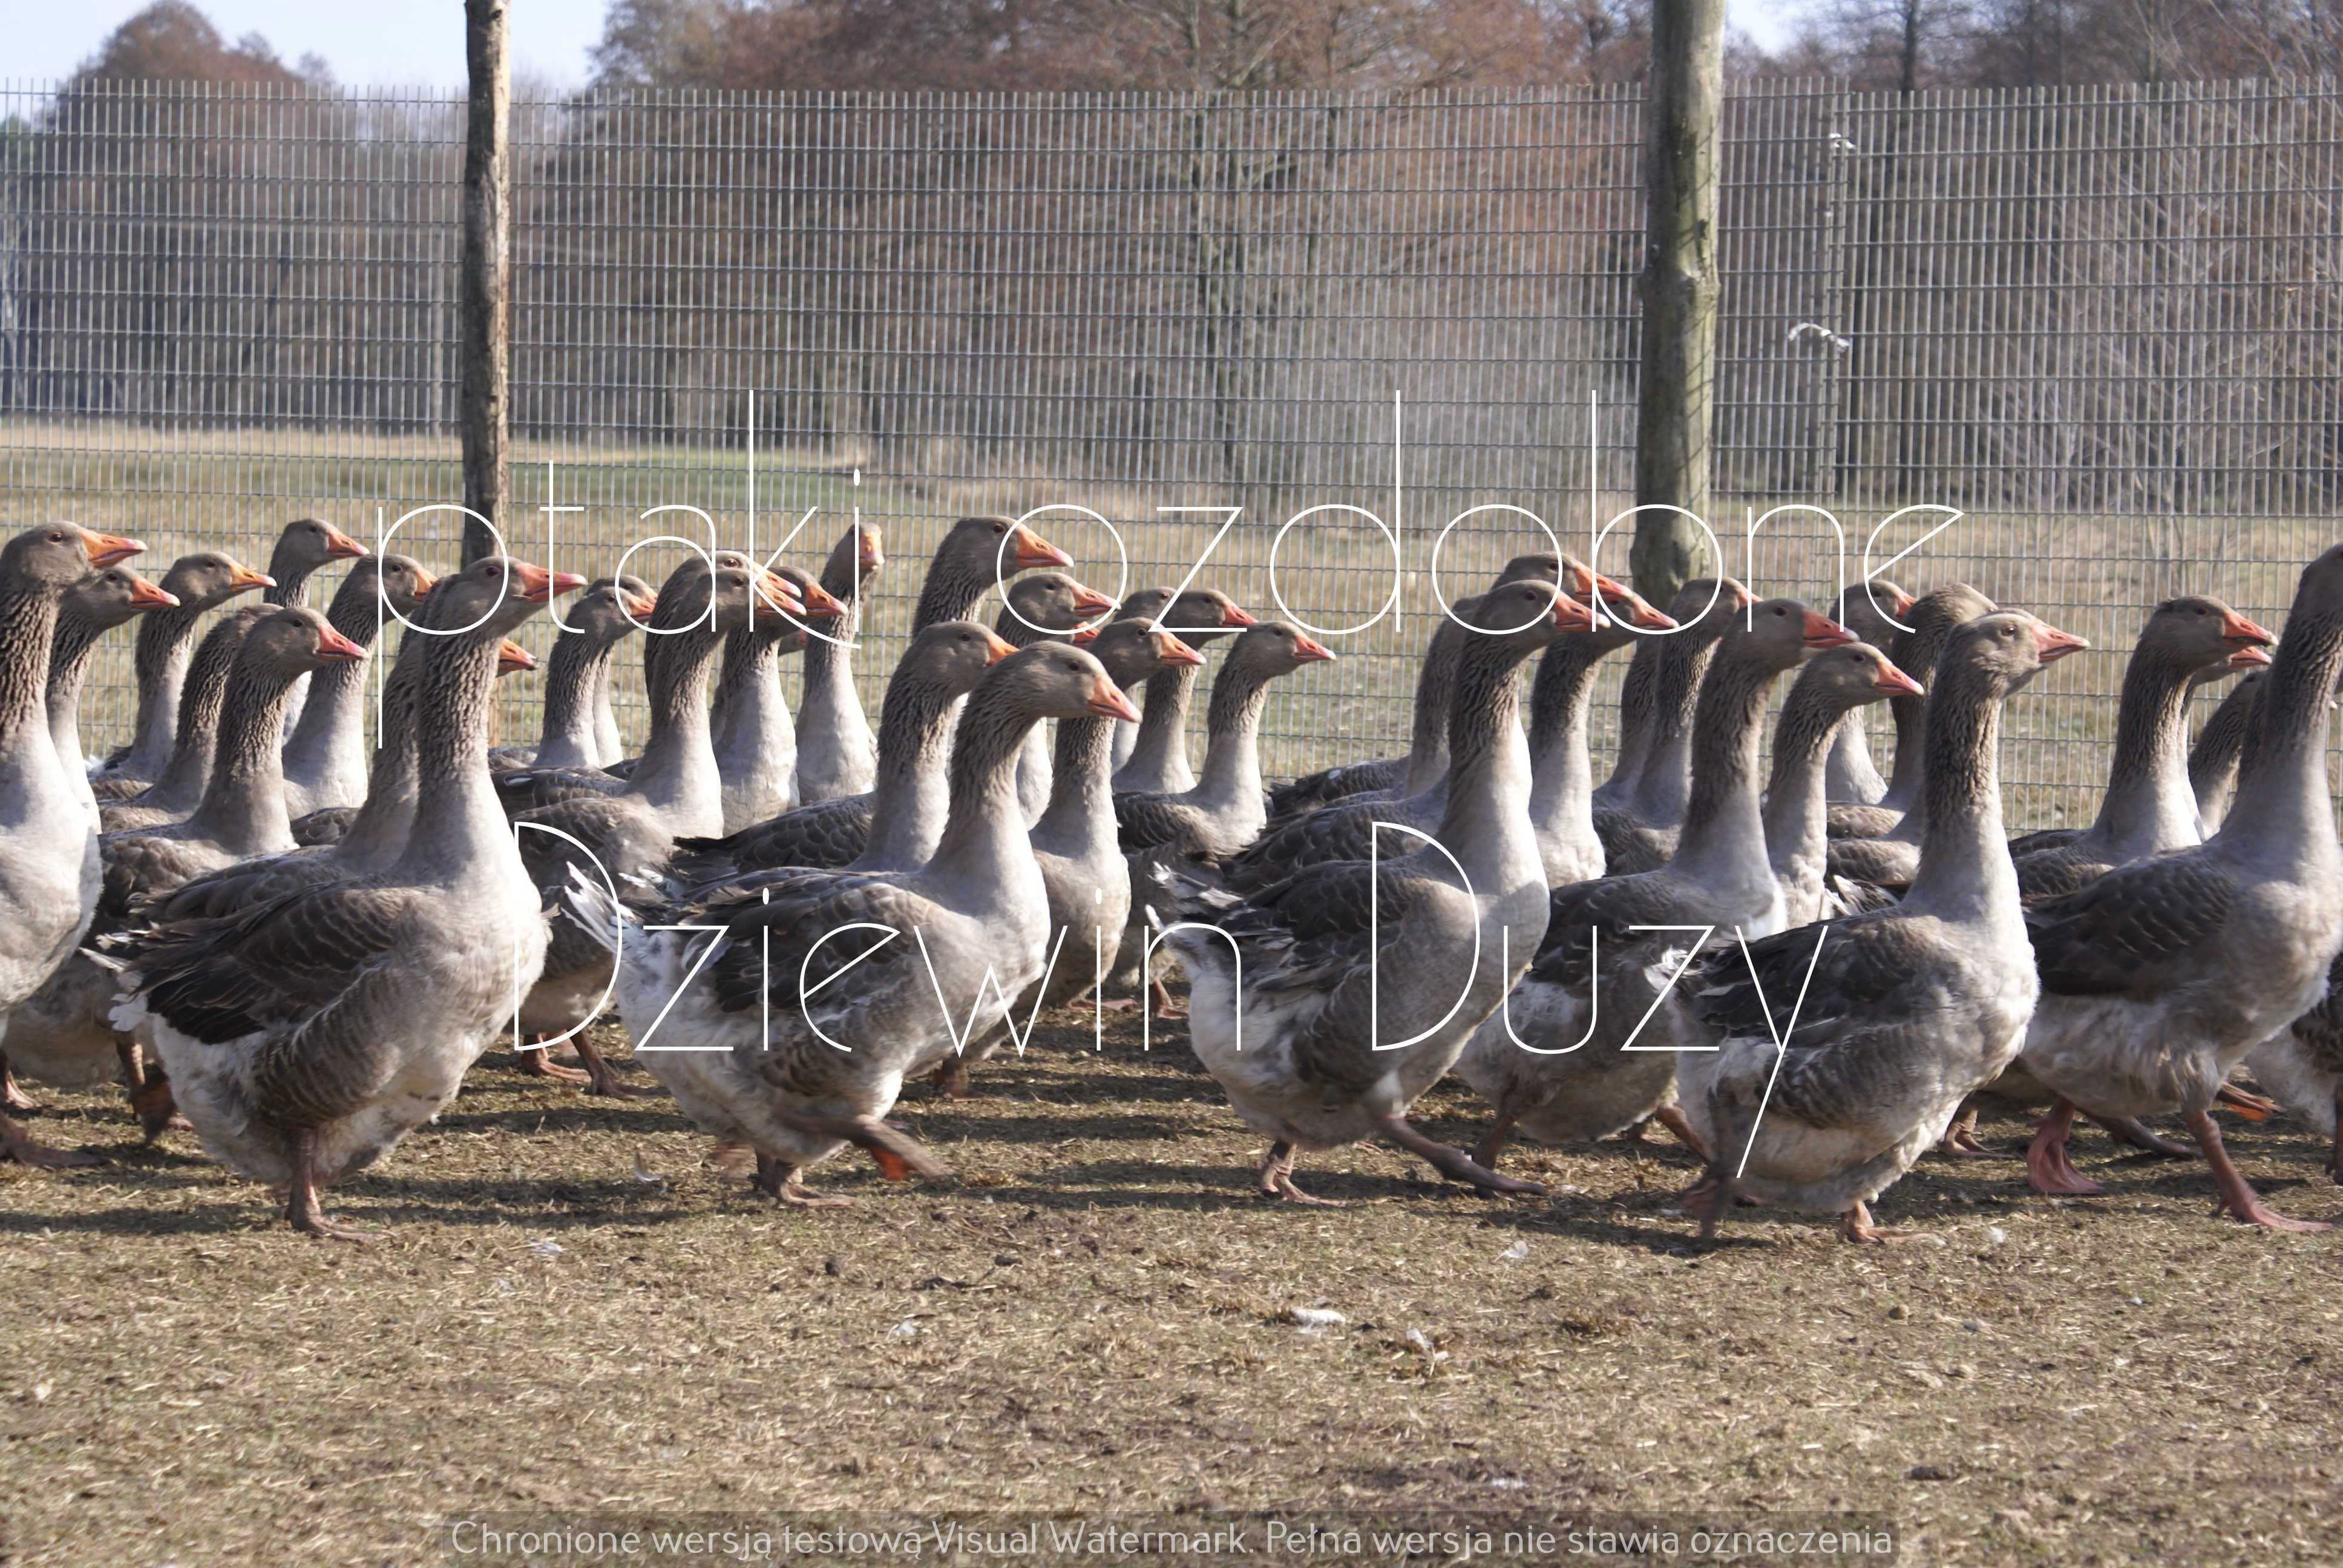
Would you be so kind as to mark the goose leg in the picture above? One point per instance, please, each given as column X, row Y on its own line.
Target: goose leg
column 950, row 1077
column 150, row 1090
column 602, row 1078
column 302, row 1209
column 1164, row 1006
column 1708, row 1200
column 2133, row 1131
column 12, row 1096
column 1493, row 1143
column 781, row 1180
column 1960, row 1140
column 21, row 1146
column 2335, row 1164
column 897, row 1153
column 2048, row 1169
column 1856, row 1225
column 1672, row 1117
column 540, row 1063
column 2238, row 1196
column 1453, row 1163
column 1276, row 1179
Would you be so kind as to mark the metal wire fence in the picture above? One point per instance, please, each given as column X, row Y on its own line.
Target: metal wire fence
column 2101, row 323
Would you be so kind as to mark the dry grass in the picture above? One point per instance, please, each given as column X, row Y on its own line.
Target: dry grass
column 574, row 1319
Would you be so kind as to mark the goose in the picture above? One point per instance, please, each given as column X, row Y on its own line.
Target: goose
column 1822, row 700
column 2148, row 806
column 1876, row 611
column 2213, row 760
column 1932, row 616
column 307, row 1036
column 756, row 741
column 1155, row 756
column 181, row 785
column 1876, row 849
column 2160, row 976
column 976, row 553
column 1037, row 606
column 90, row 608
column 1227, row 808
column 576, row 677
column 809, row 1067
column 1639, row 833
column 1076, row 843
column 325, row 751
column 62, row 1033
column 202, row 581
column 306, row 545
column 1891, row 1019
column 1585, row 993
column 1414, row 948
column 839, row 754
column 49, row 866
column 630, row 832
column 900, row 823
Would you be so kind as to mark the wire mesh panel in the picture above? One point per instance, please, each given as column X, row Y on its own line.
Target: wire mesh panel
column 2101, row 323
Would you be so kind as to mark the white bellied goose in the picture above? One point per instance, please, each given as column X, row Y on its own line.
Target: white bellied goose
column 1888, row 1019
column 756, row 739
column 167, row 642
column 1409, row 954
column 90, row 608
column 63, row 1034
column 1932, row 618
column 306, row 545
column 307, row 1036
column 1037, row 606
column 1076, row 843
column 325, row 750
column 2160, row 976
column 1639, row 833
column 1155, row 756
column 1876, row 611
column 970, row 929
column 838, row 753
column 900, row 823
column 577, row 676
column 1823, row 703
column 49, row 866
column 1587, row 986
column 2148, row 806
column 180, row 786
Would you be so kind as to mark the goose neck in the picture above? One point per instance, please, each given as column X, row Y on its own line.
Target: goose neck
column 1231, row 774
column 28, row 624
column 677, row 775
column 1562, row 774
column 1163, row 723
column 2281, row 797
column 1079, row 817
column 573, row 674
column 1965, row 866
column 243, row 806
column 1721, row 819
column 1484, row 821
column 2148, row 805
column 985, row 848
column 912, row 796
column 1664, row 784
column 1436, row 687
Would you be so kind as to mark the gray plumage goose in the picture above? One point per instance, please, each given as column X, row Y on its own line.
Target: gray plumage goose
column 1823, row 703
column 1155, row 755
column 1578, row 1006
column 49, row 865
column 1639, row 832
column 749, row 725
column 2220, row 745
column 324, row 749
column 1409, row 954
column 1876, row 612
column 307, row 546
column 838, row 753
column 181, row 784
column 2159, row 977
column 898, row 825
column 1041, row 604
column 201, row 582
column 307, row 1036
column 62, row 1033
column 1898, row 1014
column 1075, row 843
column 576, row 677
column 90, row 608
column 970, row 927
column 976, row 553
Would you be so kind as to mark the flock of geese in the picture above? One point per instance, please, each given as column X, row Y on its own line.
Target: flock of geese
column 1812, row 974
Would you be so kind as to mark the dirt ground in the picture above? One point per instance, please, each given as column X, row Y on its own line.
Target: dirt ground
column 576, row 1323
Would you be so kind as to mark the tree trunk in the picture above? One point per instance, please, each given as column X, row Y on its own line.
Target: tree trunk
column 485, row 284
column 1675, row 411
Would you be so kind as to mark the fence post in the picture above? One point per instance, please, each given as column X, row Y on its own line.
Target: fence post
column 485, row 280
column 1675, row 412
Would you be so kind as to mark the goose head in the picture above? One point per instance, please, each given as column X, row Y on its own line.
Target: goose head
column 999, row 546
column 1269, row 648
column 1779, row 632
column 1846, row 677
column 1131, row 652
column 296, row 642
column 109, row 597
column 2203, row 637
column 1056, row 680
column 952, row 655
column 2009, row 647
column 209, row 579
column 309, row 543
column 1053, row 602
column 1199, row 615
column 1876, row 611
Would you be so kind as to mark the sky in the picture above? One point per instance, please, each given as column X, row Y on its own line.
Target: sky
column 424, row 47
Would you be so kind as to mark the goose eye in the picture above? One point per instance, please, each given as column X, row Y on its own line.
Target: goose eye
column 56, row 538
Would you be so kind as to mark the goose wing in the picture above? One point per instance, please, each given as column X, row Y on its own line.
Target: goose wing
column 2133, row 929
column 1145, row 820
column 827, row 833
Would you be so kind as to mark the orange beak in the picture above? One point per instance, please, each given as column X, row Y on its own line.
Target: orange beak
column 869, row 555
column 1081, row 635
column 1903, row 603
column 1170, row 650
column 2249, row 658
column 1034, row 550
column 2239, row 630
column 995, row 649
column 1089, row 598
column 1894, row 682
column 340, row 546
column 424, row 581
column 145, row 595
column 245, row 578
column 105, row 550
column 1627, row 605
column 1309, row 650
column 1823, row 632
column 533, row 584
column 641, row 606
column 512, row 658
column 336, row 649
column 1233, row 614
column 1109, row 703
column 773, row 595
column 2054, row 644
column 1569, row 615
column 821, row 604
